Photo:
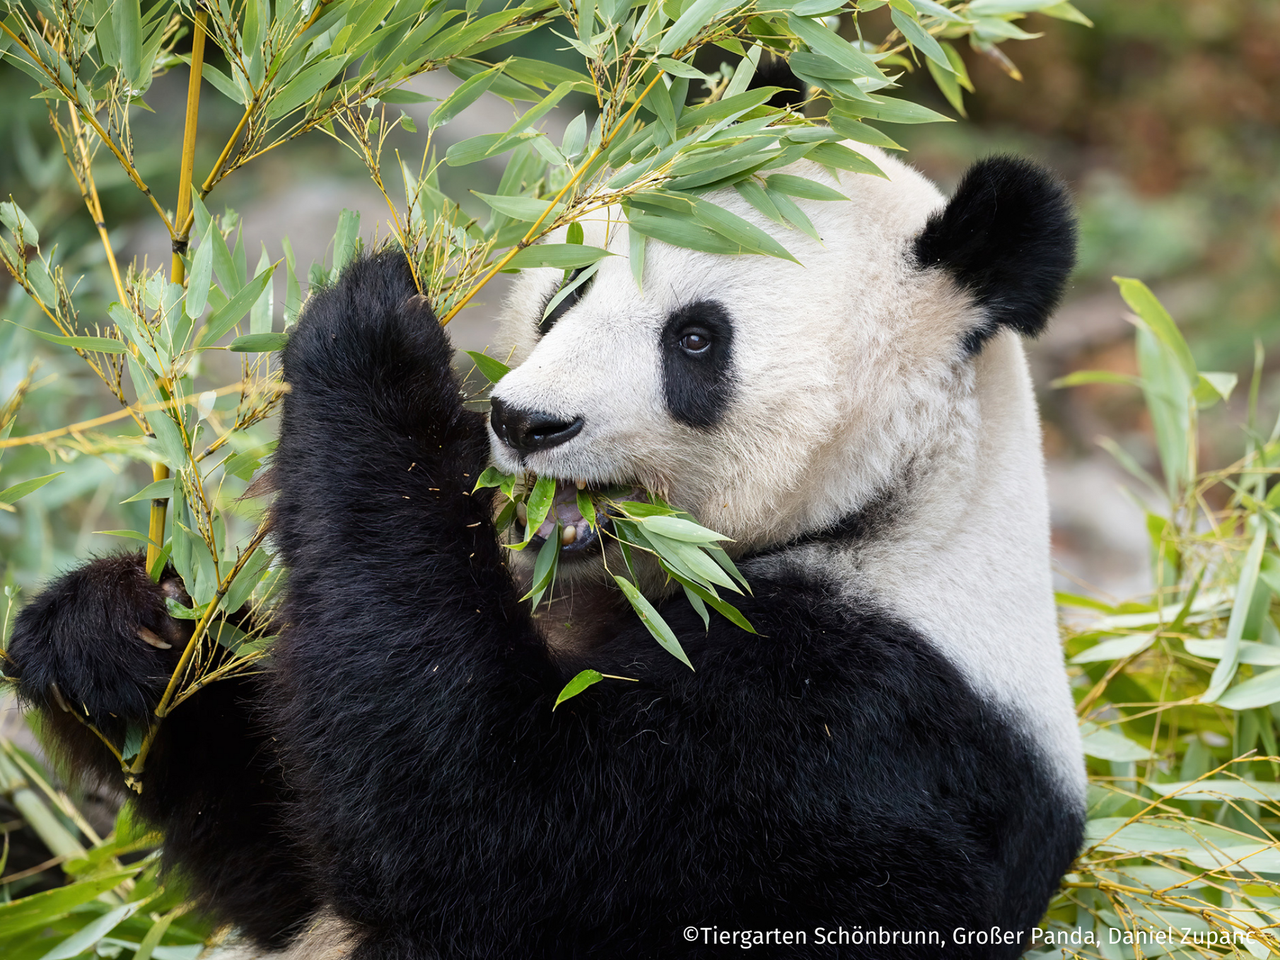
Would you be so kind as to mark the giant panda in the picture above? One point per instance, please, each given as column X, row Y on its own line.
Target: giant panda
column 890, row 768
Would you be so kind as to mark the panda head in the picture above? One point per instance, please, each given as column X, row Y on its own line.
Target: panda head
column 772, row 399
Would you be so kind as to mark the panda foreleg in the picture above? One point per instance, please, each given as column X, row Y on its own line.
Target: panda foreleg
column 93, row 653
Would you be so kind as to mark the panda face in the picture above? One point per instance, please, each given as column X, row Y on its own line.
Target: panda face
column 768, row 398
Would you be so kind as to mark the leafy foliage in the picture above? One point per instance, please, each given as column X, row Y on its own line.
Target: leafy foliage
column 1180, row 694
column 661, row 134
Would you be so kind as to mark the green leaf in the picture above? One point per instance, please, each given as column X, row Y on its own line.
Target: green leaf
column 13, row 217
column 928, row 8
column 87, row 936
column 168, row 439
column 248, row 577
column 156, row 490
column 304, row 86
column 1212, row 387
column 722, row 607
column 736, row 230
column 562, row 256
column 699, row 15
column 1116, row 649
column 823, row 41
column 37, row 910
column 520, row 208
column 683, row 233
column 1082, row 377
column 1226, row 668
column 19, row 490
column 466, row 94
column 201, row 275
column 890, row 110
column 680, row 528
column 234, row 310
column 539, row 504
column 652, row 620
column 635, row 251
column 803, row 187
column 491, row 369
column 127, row 18
column 96, row 344
column 259, row 342
column 1066, row 11
column 346, row 240
column 400, row 95
column 1107, row 744
column 579, row 683
column 1144, row 303
column 1260, row 691
column 544, row 568
column 920, row 38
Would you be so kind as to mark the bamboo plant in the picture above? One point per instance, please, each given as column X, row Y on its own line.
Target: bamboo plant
column 665, row 113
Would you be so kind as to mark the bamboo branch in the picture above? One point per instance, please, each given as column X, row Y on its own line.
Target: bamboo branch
column 532, row 233
column 91, row 120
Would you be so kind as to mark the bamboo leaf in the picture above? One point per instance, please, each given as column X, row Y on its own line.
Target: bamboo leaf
column 698, row 16
column 201, row 274
column 527, row 209
column 579, row 683
column 652, row 620
column 562, row 256
column 823, row 41
column 19, row 490
column 156, row 490
column 38, row 909
column 491, row 369
column 1226, row 668
column 223, row 319
column 96, row 344
column 466, row 94
column 803, row 187
column 259, row 343
column 920, row 38
column 890, row 110
column 538, row 505
column 1144, row 303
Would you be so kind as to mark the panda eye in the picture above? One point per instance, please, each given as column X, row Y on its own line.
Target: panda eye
column 695, row 341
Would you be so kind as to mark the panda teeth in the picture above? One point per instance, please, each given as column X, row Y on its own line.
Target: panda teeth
column 568, row 535
column 581, row 484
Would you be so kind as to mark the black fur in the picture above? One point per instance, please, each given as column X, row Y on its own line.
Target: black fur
column 774, row 71
column 834, row 771
column 698, row 386
column 211, row 782
column 1009, row 237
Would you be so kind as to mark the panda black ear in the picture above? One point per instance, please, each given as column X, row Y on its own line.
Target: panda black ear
column 1008, row 236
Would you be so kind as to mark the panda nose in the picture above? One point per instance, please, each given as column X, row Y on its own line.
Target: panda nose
column 528, row 431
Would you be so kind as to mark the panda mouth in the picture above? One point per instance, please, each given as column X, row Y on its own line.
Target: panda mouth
column 566, row 521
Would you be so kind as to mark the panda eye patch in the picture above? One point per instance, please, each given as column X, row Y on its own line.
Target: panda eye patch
column 567, row 302
column 697, row 363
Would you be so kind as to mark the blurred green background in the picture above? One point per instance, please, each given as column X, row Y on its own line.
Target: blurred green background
column 1163, row 119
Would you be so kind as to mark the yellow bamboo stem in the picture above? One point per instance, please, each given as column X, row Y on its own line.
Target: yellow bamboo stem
column 177, row 272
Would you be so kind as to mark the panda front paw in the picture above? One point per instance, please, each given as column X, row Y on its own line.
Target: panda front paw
column 372, row 327
column 99, row 641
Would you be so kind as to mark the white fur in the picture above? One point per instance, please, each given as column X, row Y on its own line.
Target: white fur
column 850, row 380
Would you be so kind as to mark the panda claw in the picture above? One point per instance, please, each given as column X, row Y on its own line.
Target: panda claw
column 150, row 637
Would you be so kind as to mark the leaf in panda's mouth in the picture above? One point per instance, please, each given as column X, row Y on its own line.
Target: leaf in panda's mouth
column 564, row 518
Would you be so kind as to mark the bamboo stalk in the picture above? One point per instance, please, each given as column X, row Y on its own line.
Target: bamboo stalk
column 177, row 272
